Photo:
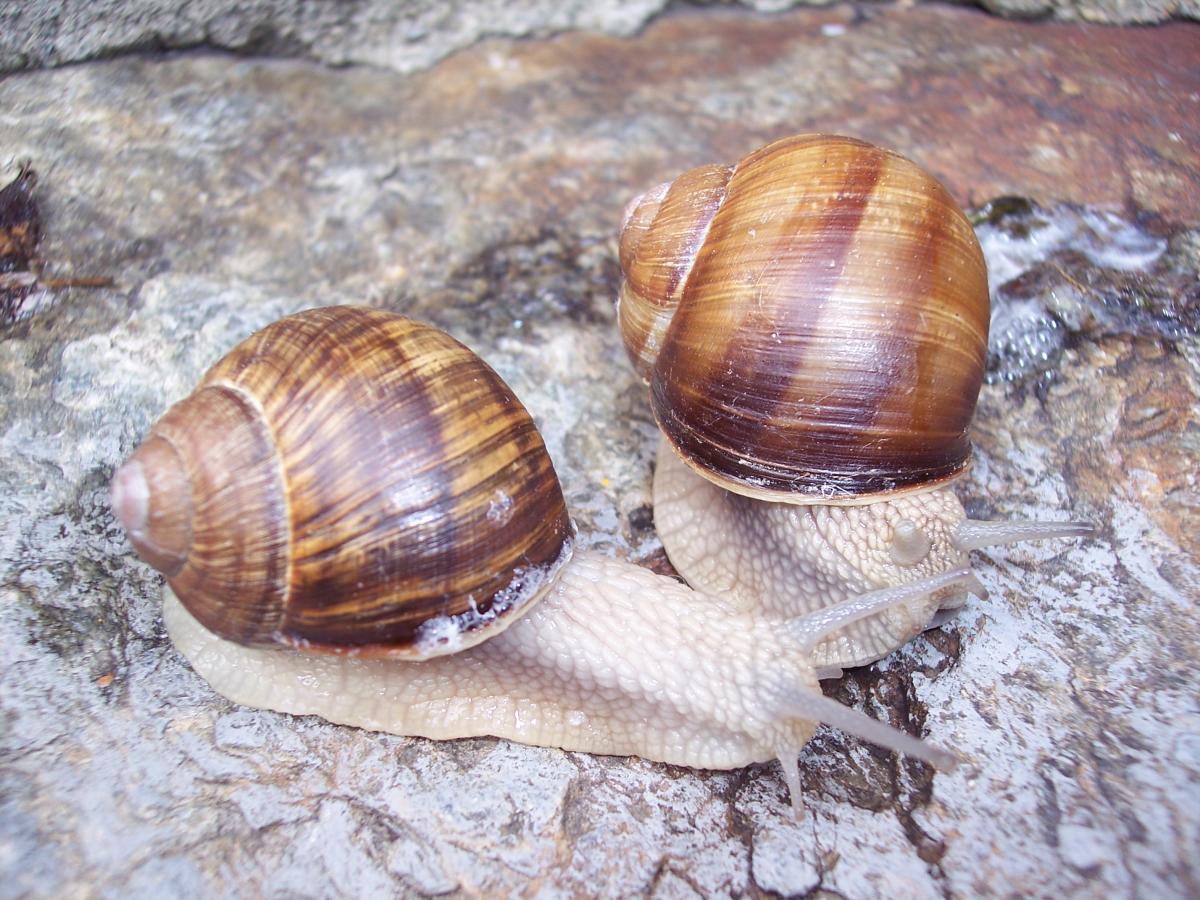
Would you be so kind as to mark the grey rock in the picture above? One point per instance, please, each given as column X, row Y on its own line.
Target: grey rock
column 222, row 194
column 401, row 36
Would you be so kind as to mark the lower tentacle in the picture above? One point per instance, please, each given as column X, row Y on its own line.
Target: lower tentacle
column 789, row 762
column 819, row 708
column 816, row 626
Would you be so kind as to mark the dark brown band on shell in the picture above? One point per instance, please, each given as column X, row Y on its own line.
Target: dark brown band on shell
column 829, row 342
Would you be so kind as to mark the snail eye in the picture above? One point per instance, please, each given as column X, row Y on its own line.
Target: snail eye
column 910, row 544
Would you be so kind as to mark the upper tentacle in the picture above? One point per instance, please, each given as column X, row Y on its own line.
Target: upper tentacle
column 974, row 534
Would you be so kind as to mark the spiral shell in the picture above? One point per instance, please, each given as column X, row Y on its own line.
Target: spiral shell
column 812, row 321
column 351, row 481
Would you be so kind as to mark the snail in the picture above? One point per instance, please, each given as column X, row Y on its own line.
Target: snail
column 812, row 323
column 358, row 519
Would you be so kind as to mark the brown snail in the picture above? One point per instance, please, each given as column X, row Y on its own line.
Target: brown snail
column 812, row 323
column 347, row 467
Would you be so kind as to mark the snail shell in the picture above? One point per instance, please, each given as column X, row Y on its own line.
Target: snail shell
column 812, row 321
column 350, row 481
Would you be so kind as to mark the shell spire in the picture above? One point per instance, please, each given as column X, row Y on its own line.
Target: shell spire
column 663, row 230
column 152, row 500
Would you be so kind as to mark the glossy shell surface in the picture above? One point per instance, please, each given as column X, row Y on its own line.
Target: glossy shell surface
column 812, row 321
column 348, row 480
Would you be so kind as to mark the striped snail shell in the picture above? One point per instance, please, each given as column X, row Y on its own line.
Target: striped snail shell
column 812, row 321
column 351, row 481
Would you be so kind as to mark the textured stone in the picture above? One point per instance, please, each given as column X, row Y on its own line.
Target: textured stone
column 401, row 36
column 1113, row 12
column 482, row 195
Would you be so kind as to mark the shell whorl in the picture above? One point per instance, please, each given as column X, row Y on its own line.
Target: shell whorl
column 349, row 480
column 825, row 339
column 663, row 231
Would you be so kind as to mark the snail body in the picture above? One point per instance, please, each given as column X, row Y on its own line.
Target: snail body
column 478, row 616
column 614, row 660
column 779, row 560
column 812, row 323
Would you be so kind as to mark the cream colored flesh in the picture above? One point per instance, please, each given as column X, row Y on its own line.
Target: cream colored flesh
column 615, row 660
column 776, row 561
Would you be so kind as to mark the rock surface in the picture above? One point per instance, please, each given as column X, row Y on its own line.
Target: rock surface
column 400, row 36
column 483, row 195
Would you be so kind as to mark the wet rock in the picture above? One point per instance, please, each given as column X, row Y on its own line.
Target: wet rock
column 223, row 193
column 1060, row 276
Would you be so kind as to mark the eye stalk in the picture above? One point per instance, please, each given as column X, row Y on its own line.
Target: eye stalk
column 974, row 534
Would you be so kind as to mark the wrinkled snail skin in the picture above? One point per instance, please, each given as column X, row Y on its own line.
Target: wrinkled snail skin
column 615, row 660
column 347, row 465
column 812, row 323
column 780, row 560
